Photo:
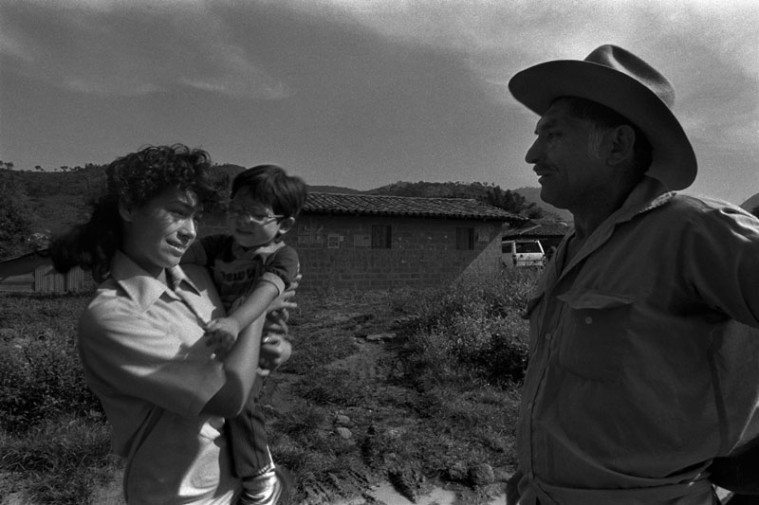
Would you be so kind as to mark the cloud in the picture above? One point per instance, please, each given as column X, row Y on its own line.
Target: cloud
column 117, row 48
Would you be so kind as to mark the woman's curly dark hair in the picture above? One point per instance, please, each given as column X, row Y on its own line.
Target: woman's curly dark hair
column 133, row 180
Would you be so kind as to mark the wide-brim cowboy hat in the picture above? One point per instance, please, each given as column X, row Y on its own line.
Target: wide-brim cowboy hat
column 623, row 82
column 752, row 205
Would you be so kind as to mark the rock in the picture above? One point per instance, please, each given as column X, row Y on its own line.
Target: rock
column 481, row 474
column 458, row 472
column 407, row 481
column 342, row 420
column 381, row 337
column 344, row 432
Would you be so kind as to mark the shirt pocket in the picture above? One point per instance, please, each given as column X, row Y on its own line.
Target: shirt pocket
column 594, row 339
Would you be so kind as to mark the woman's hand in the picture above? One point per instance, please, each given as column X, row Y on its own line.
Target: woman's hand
column 275, row 348
column 275, row 351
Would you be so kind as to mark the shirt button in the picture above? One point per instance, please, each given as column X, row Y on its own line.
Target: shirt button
column 548, row 336
column 588, row 320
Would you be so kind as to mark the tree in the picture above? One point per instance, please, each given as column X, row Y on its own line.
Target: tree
column 15, row 212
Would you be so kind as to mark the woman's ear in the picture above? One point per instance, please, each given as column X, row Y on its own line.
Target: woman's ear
column 286, row 225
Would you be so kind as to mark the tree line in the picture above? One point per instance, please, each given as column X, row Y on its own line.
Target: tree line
column 39, row 202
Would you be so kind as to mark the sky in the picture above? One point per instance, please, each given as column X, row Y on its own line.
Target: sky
column 357, row 93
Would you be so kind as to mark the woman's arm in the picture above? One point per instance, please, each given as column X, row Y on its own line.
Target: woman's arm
column 241, row 363
column 240, row 374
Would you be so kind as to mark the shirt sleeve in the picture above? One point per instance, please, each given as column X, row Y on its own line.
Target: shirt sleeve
column 282, row 267
column 124, row 353
column 721, row 257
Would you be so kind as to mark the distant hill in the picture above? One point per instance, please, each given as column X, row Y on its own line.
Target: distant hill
column 476, row 190
column 533, row 195
column 58, row 200
column 334, row 189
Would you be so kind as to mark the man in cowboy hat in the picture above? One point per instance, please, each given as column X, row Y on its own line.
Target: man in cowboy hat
column 634, row 383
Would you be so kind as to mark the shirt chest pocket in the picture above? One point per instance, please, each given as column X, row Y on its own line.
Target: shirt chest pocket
column 594, row 334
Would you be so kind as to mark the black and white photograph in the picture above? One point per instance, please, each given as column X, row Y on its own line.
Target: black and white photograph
column 379, row 252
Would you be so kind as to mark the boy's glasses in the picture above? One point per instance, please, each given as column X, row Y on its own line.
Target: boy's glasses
column 256, row 217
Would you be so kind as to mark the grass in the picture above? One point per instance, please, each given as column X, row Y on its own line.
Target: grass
column 438, row 398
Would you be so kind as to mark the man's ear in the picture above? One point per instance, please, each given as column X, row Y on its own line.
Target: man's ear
column 125, row 212
column 622, row 140
column 286, row 225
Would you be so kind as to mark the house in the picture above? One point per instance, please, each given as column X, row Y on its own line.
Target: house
column 354, row 241
column 34, row 272
column 550, row 233
column 361, row 241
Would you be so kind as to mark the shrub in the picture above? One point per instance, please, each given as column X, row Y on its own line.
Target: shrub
column 41, row 376
column 471, row 330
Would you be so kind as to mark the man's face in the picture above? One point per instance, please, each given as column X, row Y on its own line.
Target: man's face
column 161, row 230
column 566, row 160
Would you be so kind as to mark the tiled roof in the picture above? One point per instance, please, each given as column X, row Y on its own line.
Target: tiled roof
column 546, row 228
column 380, row 205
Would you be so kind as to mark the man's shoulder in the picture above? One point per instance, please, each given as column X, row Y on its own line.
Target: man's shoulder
column 688, row 207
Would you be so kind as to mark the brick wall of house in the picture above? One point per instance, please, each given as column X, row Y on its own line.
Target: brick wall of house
column 336, row 251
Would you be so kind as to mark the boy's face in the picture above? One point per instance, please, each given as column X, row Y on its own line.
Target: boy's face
column 252, row 223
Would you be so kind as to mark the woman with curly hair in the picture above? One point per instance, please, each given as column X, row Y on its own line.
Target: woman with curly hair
column 142, row 339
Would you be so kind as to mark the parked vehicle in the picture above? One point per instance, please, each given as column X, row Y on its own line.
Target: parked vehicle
column 522, row 253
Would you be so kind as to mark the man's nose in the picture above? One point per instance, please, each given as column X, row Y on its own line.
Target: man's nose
column 533, row 153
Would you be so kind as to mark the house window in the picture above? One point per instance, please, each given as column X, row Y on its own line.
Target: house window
column 465, row 239
column 381, row 238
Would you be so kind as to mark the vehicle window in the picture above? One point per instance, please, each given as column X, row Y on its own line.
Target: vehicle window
column 527, row 247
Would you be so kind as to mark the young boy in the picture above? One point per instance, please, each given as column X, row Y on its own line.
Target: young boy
column 251, row 266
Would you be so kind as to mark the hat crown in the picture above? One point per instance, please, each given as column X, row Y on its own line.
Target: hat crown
column 626, row 62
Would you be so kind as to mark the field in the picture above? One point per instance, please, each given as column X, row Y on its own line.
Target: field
column 414, row 388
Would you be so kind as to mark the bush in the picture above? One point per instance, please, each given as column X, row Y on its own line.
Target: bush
column 473, row 330
column 41, row 376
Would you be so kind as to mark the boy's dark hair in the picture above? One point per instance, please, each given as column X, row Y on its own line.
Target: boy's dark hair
column 270, row 185
column 605, row 117
column 133, row 180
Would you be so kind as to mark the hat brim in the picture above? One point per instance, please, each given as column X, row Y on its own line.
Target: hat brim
column 674, row 162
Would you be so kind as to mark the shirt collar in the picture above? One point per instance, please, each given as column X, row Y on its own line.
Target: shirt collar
column 141, row 287
column 649, row 194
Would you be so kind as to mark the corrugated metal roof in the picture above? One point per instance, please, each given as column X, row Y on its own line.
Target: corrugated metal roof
column 381, row 205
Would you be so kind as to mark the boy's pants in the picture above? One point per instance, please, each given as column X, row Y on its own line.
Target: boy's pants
column 247, row 437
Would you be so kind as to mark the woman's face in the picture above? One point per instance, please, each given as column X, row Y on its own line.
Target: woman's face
column 159, row 232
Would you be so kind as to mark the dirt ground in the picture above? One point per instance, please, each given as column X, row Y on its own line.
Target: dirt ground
column 361, row 340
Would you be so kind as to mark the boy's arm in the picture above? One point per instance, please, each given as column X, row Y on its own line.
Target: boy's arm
column 255, row 304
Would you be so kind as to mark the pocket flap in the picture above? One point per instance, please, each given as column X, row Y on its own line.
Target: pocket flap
column 595, row 300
